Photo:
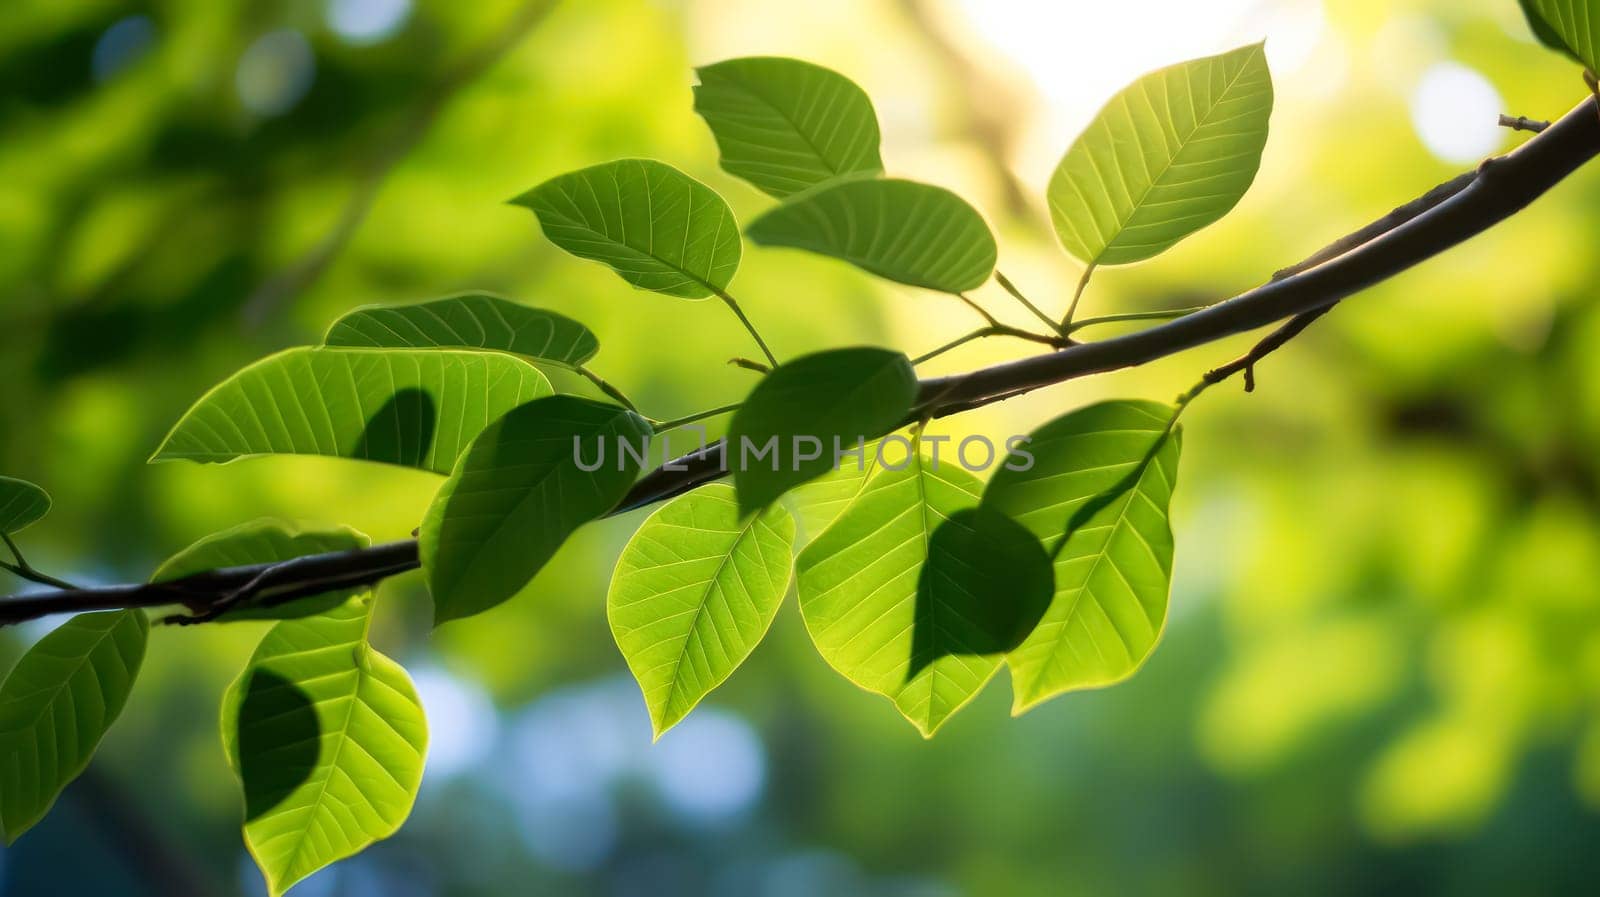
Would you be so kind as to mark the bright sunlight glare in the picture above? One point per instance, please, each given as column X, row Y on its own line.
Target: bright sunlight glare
column 1455, row 111
column 1077, row 55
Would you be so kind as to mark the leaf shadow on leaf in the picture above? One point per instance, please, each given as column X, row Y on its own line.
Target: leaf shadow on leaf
column 984, row 587
column 1098, row 503
column 279, row 739
column 402, row 429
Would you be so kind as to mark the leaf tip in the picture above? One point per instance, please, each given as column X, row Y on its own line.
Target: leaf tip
column 1023, row 700
column 662, row 722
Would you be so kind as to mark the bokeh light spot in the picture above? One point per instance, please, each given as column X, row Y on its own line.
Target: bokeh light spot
column 363, row 22
column 462, row 723
column 709, row 767
column 123, row 44
column 275, row 72
column 1456, row 112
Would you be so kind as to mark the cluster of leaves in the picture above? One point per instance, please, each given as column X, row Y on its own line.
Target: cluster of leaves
column 919, row 580
column 916, row 580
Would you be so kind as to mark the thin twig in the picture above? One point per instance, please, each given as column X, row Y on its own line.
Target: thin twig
column 1523, row 123
column 1008, row 286
column 733, row 305
column 1246, row 363
column 1165, row 314
column 27, row 571
column 993, row 330
column 605, row 387
column 1077, row 296
column 977, row 308
column 749, row 364
column 661, row 426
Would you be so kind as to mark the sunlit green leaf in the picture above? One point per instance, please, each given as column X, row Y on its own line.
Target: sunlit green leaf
column 817, row 503
column 694, row 591
column 1570, row 26
column 418, row 408
column 327, row 737
column 1096, row 495
column 917, row 593
column 908, row 232
column 812, row 406
column 658, row 228
column 785, row 125
column 58, row 702
column 468, row 321
column 264, row 542
column 1170, row 154
column 21, row 504
column 519, row 491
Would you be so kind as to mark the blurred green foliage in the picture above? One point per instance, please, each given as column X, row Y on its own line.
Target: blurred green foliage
column 1383, row 665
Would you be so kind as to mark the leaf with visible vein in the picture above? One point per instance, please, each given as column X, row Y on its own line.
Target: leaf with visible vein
column 57, row 704
column 908, row 232
column 1571, row 27
column 1097, row 495
column 694, row 591
column 264, row 542
column 786, row 125
column 1170, row 154
column 21, row 504
column 819, row 502
column 655, row 226
column 916, row 592
column 468, row 321
column 327, row 737
column 837, row 397
column 413, row 407
column 517, row 494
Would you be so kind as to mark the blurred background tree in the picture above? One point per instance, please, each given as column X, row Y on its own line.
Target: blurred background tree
column 1383, row 664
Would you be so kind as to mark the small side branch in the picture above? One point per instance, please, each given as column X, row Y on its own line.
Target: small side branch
column 1246, row 363
column 1523, row 123
column 1077, row 296
column 22, row 568
column 607, row 388
column 997, row 329
column 1009, row 287
column 733, row 306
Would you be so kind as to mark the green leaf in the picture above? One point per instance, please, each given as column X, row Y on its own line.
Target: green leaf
column 658, row 228
column 1170, row 154
column 1096, row 494
column 265, row 542
column 327, row 737
column 21, row 504
column 785, row 125
column 908, row 232
column 838, row 398
column 417, row 408
column 58, row 702
column 1570, row 26
column 916, row 592
column 694, row 591
column 519, row 492
column 468, row 321
column 819, row 502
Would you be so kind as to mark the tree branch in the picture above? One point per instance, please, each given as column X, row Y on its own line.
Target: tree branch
column 1443, row 218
